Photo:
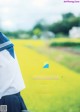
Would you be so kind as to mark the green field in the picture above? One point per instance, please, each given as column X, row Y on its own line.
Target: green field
column 55, row 89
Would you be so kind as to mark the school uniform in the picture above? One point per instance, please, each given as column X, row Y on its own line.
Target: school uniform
column 11, row 81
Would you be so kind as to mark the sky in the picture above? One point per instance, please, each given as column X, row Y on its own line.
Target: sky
column 24, row 14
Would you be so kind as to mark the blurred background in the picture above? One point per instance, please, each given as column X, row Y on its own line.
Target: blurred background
column 46, row 34
column 33, row 18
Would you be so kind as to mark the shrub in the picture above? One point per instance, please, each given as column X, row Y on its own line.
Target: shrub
column 65, row 44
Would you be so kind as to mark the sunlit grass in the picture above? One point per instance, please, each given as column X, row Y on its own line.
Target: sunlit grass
column 65, row 40
column 55, row 89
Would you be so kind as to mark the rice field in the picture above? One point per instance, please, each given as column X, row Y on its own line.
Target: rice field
column 53, row 89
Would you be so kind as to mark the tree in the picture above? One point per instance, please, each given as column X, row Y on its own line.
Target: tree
column 69, row 20
column 37, row 32
column 68, row 15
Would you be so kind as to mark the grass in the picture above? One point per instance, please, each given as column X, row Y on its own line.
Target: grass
column 76, row 49
column 65, row 40
column 68, row 59
column 69, row 56
column 44, row 92
column 68, row 51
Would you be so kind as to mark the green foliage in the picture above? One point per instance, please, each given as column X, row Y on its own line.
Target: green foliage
column 60, row 35
column 18, row 34
column 39, row 26
column 65, row 44
column 68, row 15
column 11, row 34
column 37, row 31
column 65, row 25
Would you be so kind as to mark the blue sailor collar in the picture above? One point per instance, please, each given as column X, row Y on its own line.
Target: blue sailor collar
column 5, row 43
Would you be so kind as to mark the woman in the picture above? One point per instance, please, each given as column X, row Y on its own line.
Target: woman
column 11, row 82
